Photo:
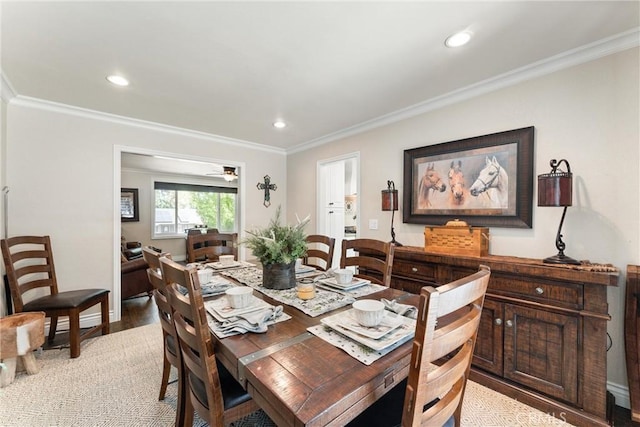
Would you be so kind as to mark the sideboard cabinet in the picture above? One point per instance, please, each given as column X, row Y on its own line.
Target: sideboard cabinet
column 542, row 338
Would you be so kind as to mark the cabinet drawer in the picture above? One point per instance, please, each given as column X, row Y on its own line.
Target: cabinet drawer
column 422, row 272
column 546, row 292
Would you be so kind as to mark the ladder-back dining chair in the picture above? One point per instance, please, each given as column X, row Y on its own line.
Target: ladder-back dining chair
column 171, row 353
column 319, row 251
column 209, row 246
column 369, row 255
column 211, row 390
column 28, row 261
column 446, row 330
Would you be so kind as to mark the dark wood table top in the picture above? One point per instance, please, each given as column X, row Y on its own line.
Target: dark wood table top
column 299, row 379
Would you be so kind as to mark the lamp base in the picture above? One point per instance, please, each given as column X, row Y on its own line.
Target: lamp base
column 560, row 258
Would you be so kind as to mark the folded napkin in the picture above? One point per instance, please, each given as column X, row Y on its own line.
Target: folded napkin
column 255, row 321
column 402, row 309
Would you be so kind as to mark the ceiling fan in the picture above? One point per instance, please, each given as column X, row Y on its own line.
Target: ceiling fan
column 228, row 173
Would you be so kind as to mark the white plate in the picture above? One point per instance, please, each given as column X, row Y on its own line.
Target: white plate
column 355, row 283
column 220, row 266
column 389, row 322
column 224, row 310
column 305, row 269
column 402, row 333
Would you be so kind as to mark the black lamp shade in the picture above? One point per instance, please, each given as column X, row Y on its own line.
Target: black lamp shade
column 389, row 200
column 554, row 189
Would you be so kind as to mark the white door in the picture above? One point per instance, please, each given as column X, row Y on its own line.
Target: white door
column 332, row 193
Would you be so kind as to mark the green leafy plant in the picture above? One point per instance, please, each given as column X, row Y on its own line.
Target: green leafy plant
column 277, row 243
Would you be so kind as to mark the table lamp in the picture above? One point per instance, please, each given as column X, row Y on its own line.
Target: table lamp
column 390, row 203
column 554, row 189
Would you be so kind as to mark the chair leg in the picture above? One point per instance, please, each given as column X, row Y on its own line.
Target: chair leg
column 180, row 407
column 188, row 409
column 53, row 325
column 74, row 333
column 104, row 308
column 166, row 369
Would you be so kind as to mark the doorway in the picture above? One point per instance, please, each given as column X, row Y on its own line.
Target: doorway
column 196, row 167
column 338, row 204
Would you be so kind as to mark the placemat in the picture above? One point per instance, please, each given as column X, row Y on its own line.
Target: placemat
column 356, row 350
column 325, row 300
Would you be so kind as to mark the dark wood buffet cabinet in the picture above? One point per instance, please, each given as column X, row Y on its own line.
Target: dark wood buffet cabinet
column 543, row 334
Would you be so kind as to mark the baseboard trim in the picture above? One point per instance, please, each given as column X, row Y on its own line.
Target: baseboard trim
column 86, row 321
column 621, row 393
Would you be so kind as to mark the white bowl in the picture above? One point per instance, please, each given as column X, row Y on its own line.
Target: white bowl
column 343, row 276
column 239, row 296
column 368, row 312
column 226, row 259
column 205, row 275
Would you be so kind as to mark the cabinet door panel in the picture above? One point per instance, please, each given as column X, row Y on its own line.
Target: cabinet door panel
column 487, row 353
column 540, row 351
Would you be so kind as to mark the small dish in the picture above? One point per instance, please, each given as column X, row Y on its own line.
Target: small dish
column 355, row 283
column 400, row 334
column 389, row 322
column 218, row 265
column 225, row 310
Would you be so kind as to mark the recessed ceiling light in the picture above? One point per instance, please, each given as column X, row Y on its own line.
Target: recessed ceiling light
column 458, row 39
column 279, row 124
column 118, row 80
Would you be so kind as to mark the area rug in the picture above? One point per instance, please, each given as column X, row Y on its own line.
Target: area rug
column 116, row 379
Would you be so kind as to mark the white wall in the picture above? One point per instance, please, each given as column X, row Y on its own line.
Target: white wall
column 63, row 183
column 588, row 114
column 3, row 180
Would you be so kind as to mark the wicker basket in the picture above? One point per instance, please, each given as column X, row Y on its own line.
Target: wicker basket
column 457, row 238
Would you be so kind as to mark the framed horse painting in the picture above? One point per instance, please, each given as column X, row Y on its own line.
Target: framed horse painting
column 485, row 180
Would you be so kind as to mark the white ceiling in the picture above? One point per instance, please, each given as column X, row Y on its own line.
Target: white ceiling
column 232, row 68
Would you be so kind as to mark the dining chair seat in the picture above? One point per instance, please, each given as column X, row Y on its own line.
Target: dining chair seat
column 387, row 411
column 66, row 300
column 232, row 392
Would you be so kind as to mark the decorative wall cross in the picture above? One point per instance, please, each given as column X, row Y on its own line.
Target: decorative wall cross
column 267, row 186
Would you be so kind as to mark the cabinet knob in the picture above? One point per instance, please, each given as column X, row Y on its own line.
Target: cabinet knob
column 539, row 290
column 330, row 212
column 498, row 321
column 330, row 203
column 509, row 324
column 415, row 270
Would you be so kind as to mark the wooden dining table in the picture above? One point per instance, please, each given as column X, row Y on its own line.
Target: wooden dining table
column 299, row 379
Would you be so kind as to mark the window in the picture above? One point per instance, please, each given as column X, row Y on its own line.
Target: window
column 179, row 207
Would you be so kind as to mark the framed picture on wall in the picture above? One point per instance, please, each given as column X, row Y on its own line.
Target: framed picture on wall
column 129, row 205
column 485, row 181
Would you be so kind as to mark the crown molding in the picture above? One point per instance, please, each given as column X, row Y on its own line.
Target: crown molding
column 7, row 92
column 56, row 107
column 601, row 48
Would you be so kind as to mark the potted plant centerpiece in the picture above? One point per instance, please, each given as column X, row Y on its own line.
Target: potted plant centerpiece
column 277, row 247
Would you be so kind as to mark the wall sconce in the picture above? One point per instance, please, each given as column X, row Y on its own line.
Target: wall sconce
column 554, row 189
column 390, row 203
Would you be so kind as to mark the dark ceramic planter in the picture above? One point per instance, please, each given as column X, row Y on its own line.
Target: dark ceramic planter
column 279, row 276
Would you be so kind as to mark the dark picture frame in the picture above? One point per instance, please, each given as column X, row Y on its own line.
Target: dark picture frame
column 485, row 180
column 129, row 205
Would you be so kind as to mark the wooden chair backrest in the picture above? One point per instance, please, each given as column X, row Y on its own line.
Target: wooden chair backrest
column 194, row 337
column 376, row 255
column 446, row 329
column 28, row 262
column 154, row 273
column 209, row 246
column 320, row 251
